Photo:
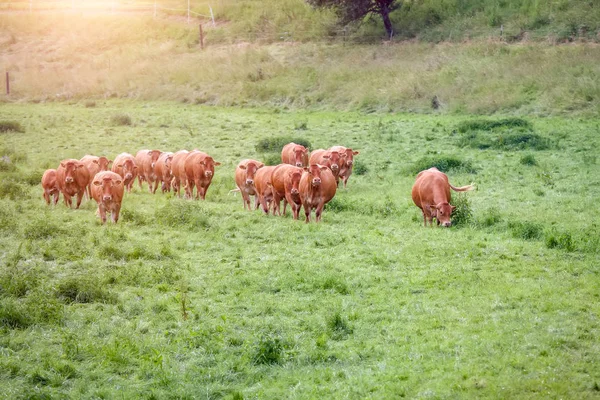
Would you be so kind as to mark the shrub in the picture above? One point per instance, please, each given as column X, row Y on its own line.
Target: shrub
column 11, row 126
column 525, row 230
column 269, row 350
column 462, row 214
column 559, row 240
column 275, row 144
column 528, row 159
column 359, row 168
column 121, row 120
column 443, row 163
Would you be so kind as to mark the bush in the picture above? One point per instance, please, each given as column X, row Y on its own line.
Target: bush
column 443, row 163
column 11, row 126
column 528, row 159
column 462, row 214
column 121, row 120
column 276, row 144
column 525, row 230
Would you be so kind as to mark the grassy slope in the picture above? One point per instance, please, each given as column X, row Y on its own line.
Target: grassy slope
column 367, row 304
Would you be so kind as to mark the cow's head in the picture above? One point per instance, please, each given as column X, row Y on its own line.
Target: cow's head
column 314, row 172
column 300, row 154
column 349, row 155
column 334, row 159
column 71, row 168
column 102, row 163
column 208, row 164
column 107, row 184
column 251, row 168
column 295, row 182
column 154, row 154
column 129, row 169
column 442, row 212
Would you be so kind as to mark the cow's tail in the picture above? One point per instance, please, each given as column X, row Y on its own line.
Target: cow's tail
column 234, row 190
column 463, row 188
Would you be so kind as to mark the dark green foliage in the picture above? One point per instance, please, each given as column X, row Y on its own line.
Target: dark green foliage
column 83, row 289
column 13, row 314
column 338, row 204
column 275, row 144
column 271, row 159
column 525, row 230
column 559, row 240
column 121, row 120
column 359, row 168
column 134, row 217
column 443, row 163
column 528, row 159
column 335, row 284
column 489, row 125
column 178, row 213
column 489, row 218
column 462, row 214
column 12, row 189
column 269, row 350
column 11, row 126
column 338, row 326
column 8, row 216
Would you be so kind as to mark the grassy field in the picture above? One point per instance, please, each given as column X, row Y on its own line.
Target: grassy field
column 185, row 299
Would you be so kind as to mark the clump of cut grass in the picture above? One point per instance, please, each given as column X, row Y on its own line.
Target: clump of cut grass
column 525, row 230
column 83, row 289
column 269, row 350
column 462, row 214
column 275, row 144
column 11, row 126
column 489, row 125
column 443, row 163
column 121, row 120
column 528, row 159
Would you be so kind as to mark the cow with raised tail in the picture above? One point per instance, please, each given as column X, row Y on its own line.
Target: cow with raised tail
column 72, row 178
column 146, row 160
column 199, row 170
column 431, row 193
column 346, row 167
column 285, row 182
column 107, row 190
column 244, row 179
column 317, row 187
column 125, row 166
column 50, row 187
column 294, row 154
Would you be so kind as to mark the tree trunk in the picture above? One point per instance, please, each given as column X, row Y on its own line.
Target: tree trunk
column 385, row 14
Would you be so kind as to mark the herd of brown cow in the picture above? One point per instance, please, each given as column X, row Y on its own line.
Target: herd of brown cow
column 304, row 179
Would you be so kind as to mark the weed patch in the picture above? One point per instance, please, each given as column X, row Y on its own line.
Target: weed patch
column 525, row 230
column 12, row 189
column 42, row 228
column 489, row 217
column 506, row 134
column 11, row 126
column 528, row 159
column 121, row 120
column 359, row 168
column 559, row 240
column 338, row 326
column 462, row 214
column 269, row 350
column 445, row 164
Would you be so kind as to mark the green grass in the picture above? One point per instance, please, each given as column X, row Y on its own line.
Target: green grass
column 205, row 299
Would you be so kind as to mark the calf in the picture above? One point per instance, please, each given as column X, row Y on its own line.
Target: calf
column 145, row 160
column 199, row 170
column 294, row 154
column 244, row 179
column 94, row 165
column 262, row 183
column 431, row 193
column 346, row 167
column 332, row 159
column 178, row 171
column 50, row 187
column 125, row 166
column 285, row 182
column 317, row 187
column 162, row 171
column 107, row 190
column 72, row 178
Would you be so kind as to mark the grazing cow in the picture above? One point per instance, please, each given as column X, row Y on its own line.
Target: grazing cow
column 332, row 159
column 317, row 187
column 244, row 179
column 262, row 183
column 162, row 171
column 145, row 160
column 49, row 185
column 285, row 181
column 431, row 193
column 294, row 154
column 199, row 170
column 94, row 165
column 125, row 166
column 345, row 168
column 107, row 190
column 178, row 171
column 72, row 178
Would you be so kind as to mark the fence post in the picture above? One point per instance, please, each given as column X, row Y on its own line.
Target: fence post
column 7, row 83
column 201, row 37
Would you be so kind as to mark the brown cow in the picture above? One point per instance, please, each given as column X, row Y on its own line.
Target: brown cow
column 178, row 171
column 294, row 154
column 431, row 193
column 332, row 159
column 345, row 168
column 49, row 185
column 244, row 179
column 72, row 178
column 285, row 181
column 107, row 190
column 94, row 165
column 162, row 171
column 262, row 183
column 125, row 166
column 145, row 160
column 317, row 187
column 199, row 170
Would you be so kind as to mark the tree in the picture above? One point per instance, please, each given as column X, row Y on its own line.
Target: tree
column 356, row 10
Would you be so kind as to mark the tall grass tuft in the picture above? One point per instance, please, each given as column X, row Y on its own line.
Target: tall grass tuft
column 83, row 289
column 269, row 350
column 121, row 120
column 462, row 215
column 338, row 326
column 443, row 163
column 525, row 230
column 11, row 126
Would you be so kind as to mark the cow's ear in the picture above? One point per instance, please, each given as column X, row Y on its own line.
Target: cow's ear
column 95, row 161
column 242, row 167
column 323, row 168
column 355, row 153
column 97, row 183
column 343, row 155
column 217, row 164
column 62, row 164
column 151, row 152
column 325, row 156
column 120, row 166
column 452, row 208
column 202, row 163
column 260, row 165
column 81, row 166
column 306, row 169
column 135, row 167
column 118, row 181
